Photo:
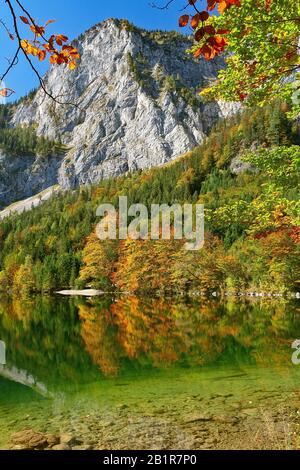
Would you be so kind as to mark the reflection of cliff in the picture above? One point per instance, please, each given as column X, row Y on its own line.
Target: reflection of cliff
column 42, row 336
column 2, row 353
column 25, row 378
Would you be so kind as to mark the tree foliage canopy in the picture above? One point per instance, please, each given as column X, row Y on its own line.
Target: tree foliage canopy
column 260, row 39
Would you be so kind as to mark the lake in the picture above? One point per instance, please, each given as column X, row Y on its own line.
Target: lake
column 141, row 373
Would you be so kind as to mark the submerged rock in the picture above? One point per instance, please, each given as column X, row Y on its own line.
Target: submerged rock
column 82, row 447
column 28, row 439
column 61, row 447
column 68, row 439
column 52, row 440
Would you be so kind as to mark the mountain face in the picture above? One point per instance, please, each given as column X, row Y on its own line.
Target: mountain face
column 137, row 107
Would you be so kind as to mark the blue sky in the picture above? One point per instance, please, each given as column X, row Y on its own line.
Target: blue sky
column 75, row 16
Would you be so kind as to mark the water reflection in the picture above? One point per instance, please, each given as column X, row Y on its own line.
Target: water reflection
column 72, row 340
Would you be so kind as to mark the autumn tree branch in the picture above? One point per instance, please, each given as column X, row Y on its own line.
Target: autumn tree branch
column 164, row 7
column 169, row 2
column 29, row 61
column 12, row 64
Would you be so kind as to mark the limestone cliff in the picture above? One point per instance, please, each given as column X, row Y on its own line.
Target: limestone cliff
column 138, row 107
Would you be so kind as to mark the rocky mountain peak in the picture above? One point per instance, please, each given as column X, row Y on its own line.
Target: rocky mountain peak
column 137, row 106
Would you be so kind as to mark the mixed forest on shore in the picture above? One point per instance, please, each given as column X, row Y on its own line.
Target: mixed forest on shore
column 246, row 174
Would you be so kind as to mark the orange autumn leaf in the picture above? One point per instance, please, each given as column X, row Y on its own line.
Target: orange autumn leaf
column 184, row 20
column 203, row 16
column 6, row 92
column 195, row 21
column 268, row 4
column 211, row 4
column 72, row 65
column 223, row 4
column 199, row 34
column 75, row 54
column 208, row 52
column 209, row 29
column 24, row 19
column 42, row 55
column 231, row 3
column 53, row 59
column 197, row 53
column 218, row 43
column 222, row 7
column 60, row 39
column 38, row 30
column 49, row 22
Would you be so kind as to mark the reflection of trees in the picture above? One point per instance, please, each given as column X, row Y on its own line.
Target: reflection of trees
column 99, row 336
column 42, row 336
column 148, row 329
column 61, row 339
column 155, row 332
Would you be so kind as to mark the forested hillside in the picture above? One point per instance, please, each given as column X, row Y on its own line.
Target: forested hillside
column 247, row 175
column 23, row 141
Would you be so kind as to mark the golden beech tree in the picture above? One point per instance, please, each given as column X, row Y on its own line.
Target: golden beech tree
column 98, row 262
column 39, row 44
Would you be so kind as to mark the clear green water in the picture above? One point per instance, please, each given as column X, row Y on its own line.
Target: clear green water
column 139, row 373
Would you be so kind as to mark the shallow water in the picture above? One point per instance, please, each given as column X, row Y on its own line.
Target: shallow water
column 151, row 373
